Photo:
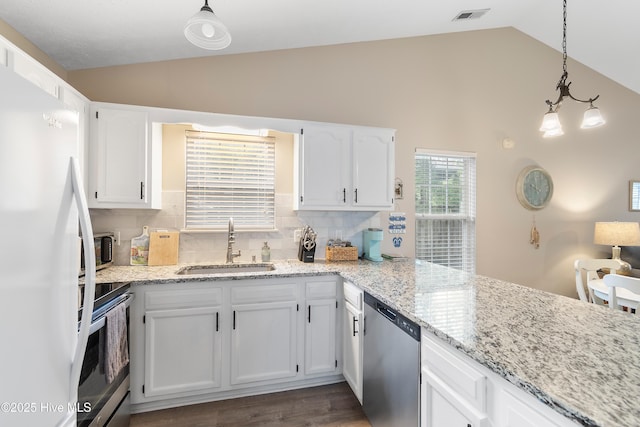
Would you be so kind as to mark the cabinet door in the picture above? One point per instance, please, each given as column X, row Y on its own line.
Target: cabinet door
column 352, row 349
column 263, row 342
column 120, row 161
column 373, row 168
column 441, row 407
column 182, row 350
column 527, row 412
column 324, row 161
column 320, row 337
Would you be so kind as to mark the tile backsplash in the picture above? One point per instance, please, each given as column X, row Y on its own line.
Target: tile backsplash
column 211, row 247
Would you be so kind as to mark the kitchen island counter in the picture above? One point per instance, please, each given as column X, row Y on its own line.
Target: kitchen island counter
column 580, row 359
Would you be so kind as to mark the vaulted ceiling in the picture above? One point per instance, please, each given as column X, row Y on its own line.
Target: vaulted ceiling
column 87, row 34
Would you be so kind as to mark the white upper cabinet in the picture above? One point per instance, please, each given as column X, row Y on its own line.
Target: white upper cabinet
column 373, row 168
column 324, row 164
column 344, row 168
column 125, row 158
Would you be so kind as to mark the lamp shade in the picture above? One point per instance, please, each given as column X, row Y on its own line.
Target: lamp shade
column 592, row 118
column 617, row 234
column 205, row 30
column 552, row 133
column 550, row 122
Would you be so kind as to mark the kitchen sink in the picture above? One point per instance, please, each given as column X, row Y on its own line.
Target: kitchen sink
column 225, row 268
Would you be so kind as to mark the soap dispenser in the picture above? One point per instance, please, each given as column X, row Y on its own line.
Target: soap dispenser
column 266, row 252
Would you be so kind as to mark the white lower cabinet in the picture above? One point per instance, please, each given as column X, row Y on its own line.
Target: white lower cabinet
column 459, row 392
column 352, row 345
column 263, row 342
column 183, row 348
column 182, row 341
column 320, row 328
column 203, row 341
column 453, row 393
column 519, row 409
column 443, row 407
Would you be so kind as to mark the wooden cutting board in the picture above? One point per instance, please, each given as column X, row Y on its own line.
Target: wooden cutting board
column 163, row 247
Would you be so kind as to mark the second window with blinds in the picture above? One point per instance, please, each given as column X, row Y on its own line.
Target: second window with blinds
column 229, row 176
column 446, row 208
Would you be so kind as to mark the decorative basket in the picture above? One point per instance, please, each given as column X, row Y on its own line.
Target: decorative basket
column 341, row 253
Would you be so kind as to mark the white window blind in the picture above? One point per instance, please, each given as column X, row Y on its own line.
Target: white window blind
column 229, row 176
column 445, row 208
column 635, row 195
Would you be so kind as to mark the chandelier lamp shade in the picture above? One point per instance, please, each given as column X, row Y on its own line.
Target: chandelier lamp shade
column 205, row 30
column 551, row 121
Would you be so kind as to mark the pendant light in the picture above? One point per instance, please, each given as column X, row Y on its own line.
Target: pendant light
column 205, row 30
column 551, row 121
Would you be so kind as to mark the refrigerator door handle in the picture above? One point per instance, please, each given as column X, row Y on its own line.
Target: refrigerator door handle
column 89, row 275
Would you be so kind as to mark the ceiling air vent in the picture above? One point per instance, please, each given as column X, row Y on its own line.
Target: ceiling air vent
column 470, row 14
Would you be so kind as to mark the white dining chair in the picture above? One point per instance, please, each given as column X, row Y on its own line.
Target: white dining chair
column 624, row 291
column 588, row 268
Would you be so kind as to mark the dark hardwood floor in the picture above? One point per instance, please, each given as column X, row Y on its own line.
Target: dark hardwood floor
column 331, row 405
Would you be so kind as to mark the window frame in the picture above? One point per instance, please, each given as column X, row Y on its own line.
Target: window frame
column 462, row 253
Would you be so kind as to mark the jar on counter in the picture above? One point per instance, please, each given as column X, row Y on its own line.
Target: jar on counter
column 266, row 252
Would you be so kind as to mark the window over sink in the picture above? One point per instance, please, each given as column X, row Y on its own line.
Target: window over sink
column 229, row 176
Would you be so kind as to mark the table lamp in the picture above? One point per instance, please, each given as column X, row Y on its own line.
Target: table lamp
column 616, row 234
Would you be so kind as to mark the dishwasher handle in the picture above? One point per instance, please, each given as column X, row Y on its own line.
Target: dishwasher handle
column 386, row 312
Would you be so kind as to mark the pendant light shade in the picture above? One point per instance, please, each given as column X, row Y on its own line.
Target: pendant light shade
column 592, row 118
column 553, row 132
column 205, row 30
column 550, row 122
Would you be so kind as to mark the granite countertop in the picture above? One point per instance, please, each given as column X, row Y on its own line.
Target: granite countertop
column 580, row 359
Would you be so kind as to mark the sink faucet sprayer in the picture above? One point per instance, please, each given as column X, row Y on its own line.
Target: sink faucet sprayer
column 230, row 241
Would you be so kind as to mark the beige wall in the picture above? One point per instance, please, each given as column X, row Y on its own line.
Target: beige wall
column 461, row 92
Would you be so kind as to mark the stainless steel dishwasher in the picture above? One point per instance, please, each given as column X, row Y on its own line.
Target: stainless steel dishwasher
column 391, row 366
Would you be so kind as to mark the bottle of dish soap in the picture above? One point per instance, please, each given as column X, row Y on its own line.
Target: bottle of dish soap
column 266, row 252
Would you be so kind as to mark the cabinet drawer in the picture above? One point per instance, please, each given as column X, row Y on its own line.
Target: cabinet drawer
column 263, row 293
column 187, row 298
column 321, row 290
column 353, row 295
column 462, row 378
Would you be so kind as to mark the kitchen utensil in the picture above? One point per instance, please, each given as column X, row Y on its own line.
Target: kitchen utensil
column 140, row 248
column 164, row 247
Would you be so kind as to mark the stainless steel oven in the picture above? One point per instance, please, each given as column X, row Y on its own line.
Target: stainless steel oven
column 100, row 402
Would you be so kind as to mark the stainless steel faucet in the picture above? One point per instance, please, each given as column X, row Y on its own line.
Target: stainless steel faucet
column 230, row 241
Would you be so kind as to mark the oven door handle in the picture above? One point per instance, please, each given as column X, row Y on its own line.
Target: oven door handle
column 100, row 322
column 89, row 276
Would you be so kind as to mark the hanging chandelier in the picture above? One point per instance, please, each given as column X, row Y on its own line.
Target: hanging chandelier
column 551, row 122
column 205, row 30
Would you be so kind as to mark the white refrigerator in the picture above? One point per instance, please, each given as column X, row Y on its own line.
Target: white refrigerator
column 40, row 194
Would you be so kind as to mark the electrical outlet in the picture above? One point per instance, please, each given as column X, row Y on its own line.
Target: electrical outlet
column 296, row 235
column 117, row 237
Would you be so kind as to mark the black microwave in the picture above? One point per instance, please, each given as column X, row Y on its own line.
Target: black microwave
column 103, row 248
